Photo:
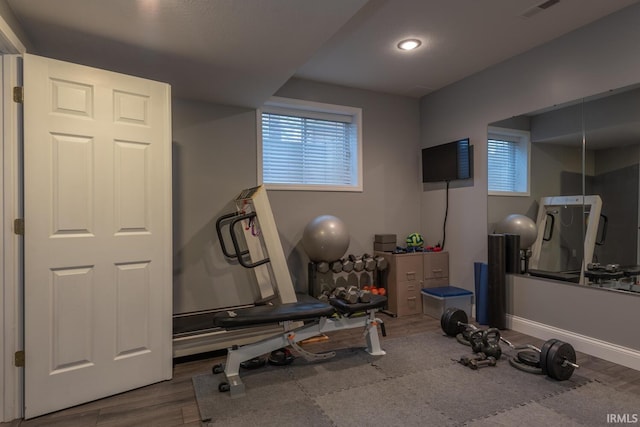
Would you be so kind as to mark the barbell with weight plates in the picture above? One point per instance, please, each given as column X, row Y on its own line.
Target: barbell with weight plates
column 557, row 358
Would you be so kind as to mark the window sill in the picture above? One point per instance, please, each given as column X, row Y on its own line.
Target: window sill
column 509, row 193
column 299, row 187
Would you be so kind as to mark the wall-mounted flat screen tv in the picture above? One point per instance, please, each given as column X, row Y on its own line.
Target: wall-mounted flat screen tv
column 447, row 162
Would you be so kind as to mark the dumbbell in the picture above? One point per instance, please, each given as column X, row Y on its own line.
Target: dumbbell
column 336, row 266
column 322, row 267
column 478, row 362
column 557, row 358
column 489, row 361
column 358, row 263
column 369, row 262
column 381, row 263
column 364, row 296
column 324, row 296
column 347, row 265
column 325, row 293
column 350, row 296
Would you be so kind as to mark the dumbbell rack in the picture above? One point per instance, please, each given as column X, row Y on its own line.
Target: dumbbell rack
column 320, row 280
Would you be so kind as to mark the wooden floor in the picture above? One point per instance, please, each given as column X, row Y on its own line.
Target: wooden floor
column 172, row 403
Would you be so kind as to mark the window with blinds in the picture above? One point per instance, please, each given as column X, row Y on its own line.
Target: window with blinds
column 309, row 146
column 508, row 162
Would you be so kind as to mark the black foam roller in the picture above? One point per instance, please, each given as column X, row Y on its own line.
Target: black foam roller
column 512, row 253
column 497, row 304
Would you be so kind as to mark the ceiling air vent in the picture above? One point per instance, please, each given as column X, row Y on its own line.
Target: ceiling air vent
column 538, row 8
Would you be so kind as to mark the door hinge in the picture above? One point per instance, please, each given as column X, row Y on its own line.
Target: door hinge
column 19, row 359
column 18, row 226
column 18, row 94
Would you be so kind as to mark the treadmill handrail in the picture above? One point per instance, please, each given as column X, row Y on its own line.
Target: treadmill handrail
column 234, row 240
column 219, row 232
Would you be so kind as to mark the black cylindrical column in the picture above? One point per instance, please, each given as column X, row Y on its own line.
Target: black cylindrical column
column 497, row 304
column 512, row 253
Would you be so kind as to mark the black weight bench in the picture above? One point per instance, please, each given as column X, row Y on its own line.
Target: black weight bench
column 319, row 318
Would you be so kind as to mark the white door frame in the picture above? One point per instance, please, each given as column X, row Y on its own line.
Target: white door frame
column 11, row 279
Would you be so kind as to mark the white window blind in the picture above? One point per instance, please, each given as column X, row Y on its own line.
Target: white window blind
column 309, row 149
column 508, row 161
column 502, row 165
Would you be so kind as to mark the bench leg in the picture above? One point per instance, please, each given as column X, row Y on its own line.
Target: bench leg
column 371, row 332
column 237, row 355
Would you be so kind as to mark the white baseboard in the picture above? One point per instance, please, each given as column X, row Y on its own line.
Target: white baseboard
column 605, row 350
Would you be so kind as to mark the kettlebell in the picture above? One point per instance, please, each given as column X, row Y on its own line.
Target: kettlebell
column 491, row 343
column 476, row 340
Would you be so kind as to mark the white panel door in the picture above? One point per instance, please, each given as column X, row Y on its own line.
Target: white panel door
column 97, row 179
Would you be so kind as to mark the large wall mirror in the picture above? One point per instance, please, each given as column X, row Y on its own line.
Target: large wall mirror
column 582, row 161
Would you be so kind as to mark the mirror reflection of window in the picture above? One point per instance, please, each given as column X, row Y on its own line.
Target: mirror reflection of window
column 508, row 161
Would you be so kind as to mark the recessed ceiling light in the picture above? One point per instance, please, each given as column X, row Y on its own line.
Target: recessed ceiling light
column 409, row 44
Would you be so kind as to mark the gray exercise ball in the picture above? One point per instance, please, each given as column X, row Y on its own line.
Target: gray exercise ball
column 519, row 224
column 325, row 238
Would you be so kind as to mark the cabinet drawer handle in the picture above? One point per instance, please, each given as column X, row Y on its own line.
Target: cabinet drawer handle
column 411, row 287
column 411, row 275
column 411, row 302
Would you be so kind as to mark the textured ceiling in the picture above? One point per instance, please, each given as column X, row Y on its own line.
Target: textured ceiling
column 241, row 52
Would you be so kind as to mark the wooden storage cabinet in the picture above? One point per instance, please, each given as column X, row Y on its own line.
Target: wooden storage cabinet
column 408, row 274
column 436, row 269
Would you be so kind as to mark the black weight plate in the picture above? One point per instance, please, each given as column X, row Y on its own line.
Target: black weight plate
column 529, row 357
column 450, row 326
column 255, row 363
column 551, row 358
column 557, row 354
column 513, row 361
column 543, row 354
column 444, row 319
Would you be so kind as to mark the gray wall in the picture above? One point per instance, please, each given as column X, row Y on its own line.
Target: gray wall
column 591, row 60
column 215, row 158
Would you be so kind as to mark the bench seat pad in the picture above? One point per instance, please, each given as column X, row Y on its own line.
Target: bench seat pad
column 264, row 314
